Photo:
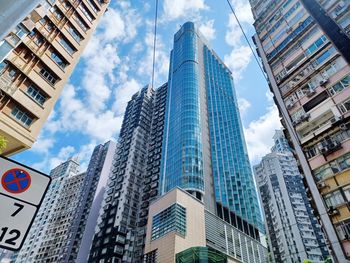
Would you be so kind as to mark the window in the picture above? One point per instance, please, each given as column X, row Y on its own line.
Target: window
column 57, row 13
column 93, row 5
column 81, row 23
column 67, row 46
column 21, row 116
column 343, row 229
column 171, row 219
column 345, row 106
column 341, row 85
column 333, row 199
column 75, row 34
column 333, row 167
column 86, row 12
column 60, row 62
column 318, row 43
column 48, row 76
column 36, row 94
column 21, row 31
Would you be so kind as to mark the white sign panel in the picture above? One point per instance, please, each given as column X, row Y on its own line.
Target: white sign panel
column 22, row 190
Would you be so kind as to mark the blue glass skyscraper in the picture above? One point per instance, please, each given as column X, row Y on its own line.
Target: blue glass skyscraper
column 204, row 148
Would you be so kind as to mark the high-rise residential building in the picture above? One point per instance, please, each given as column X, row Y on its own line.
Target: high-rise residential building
column 91, row 196
column 133, row 181
column 36, row 59
column 181, row 147
column 50, row 226
column 293, row 231
column 309, row 75
column 66, row 220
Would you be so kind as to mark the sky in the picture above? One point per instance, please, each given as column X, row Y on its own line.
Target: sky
column 117, row 62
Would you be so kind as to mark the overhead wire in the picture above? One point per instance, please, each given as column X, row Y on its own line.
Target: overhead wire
column 260, row 67
column 267, row 79
column 154, row 42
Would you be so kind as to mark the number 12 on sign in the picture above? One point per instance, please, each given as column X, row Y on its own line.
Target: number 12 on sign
column 13, row 235
column 15, row 219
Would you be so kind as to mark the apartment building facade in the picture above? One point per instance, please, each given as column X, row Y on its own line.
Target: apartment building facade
column 309, row 78
column 133, row 181
column 64, row 227
column 51, row 224
column 293, row 230
column 36, row 59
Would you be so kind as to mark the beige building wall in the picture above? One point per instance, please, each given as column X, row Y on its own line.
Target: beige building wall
column 44, row 50
column 172, row 243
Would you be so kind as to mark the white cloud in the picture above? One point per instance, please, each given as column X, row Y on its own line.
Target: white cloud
column 243, row 11
column 238, row 60
column 123, row 95
column 161, row 58
column 208, row 30
column 240, row 56
column 243, row 105
column 182, row 8
column 259, row 134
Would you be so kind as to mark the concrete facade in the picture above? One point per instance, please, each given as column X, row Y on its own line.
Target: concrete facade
column 293, row 231
column 36, row 59
column 309, row 79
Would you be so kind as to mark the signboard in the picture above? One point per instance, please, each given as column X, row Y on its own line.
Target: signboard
column 22, row 190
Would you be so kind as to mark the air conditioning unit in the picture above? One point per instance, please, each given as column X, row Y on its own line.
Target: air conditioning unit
column 321, row 185
column 333, row 211
column 323, row 150
column 290, row 105
column 310, row 92
column 324, row 82
column 343, row 127
column 335, row 119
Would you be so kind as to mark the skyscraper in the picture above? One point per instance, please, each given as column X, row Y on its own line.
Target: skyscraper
column 36, row 59
column 53, row 220
column 293, row 231
column 91, row 201
column 310, row 82
column 181, row 147
column 204, row 149
column 133, row 181
column 65, row 223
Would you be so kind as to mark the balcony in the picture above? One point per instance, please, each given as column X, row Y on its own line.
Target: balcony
column 303, row 118
column 7, row 85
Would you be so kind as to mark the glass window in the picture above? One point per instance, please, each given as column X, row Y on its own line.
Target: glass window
column 171, row 219
column 75, row 34
column 48, row 76
column 60, row 62
column 21, row 116
column 57, row 13
column 81, row 23
column 345, row 106
column 67, row 46
column 36, row 94
column 339, row 86
column 86, row 12
column 333, row 199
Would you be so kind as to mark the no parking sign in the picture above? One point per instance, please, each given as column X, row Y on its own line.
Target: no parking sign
column 22, row 190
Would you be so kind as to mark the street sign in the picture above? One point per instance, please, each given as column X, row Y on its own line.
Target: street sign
column 22, row 190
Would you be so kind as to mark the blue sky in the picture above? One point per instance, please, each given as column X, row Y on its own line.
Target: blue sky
column 118, row 62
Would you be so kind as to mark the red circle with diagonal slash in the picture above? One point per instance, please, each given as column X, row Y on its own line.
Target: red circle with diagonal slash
column 16, row 181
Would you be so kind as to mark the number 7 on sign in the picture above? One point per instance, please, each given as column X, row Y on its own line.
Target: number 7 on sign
column 20, row 207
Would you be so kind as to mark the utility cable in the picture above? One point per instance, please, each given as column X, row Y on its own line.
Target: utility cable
column 154, row 42
column 246, row 38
